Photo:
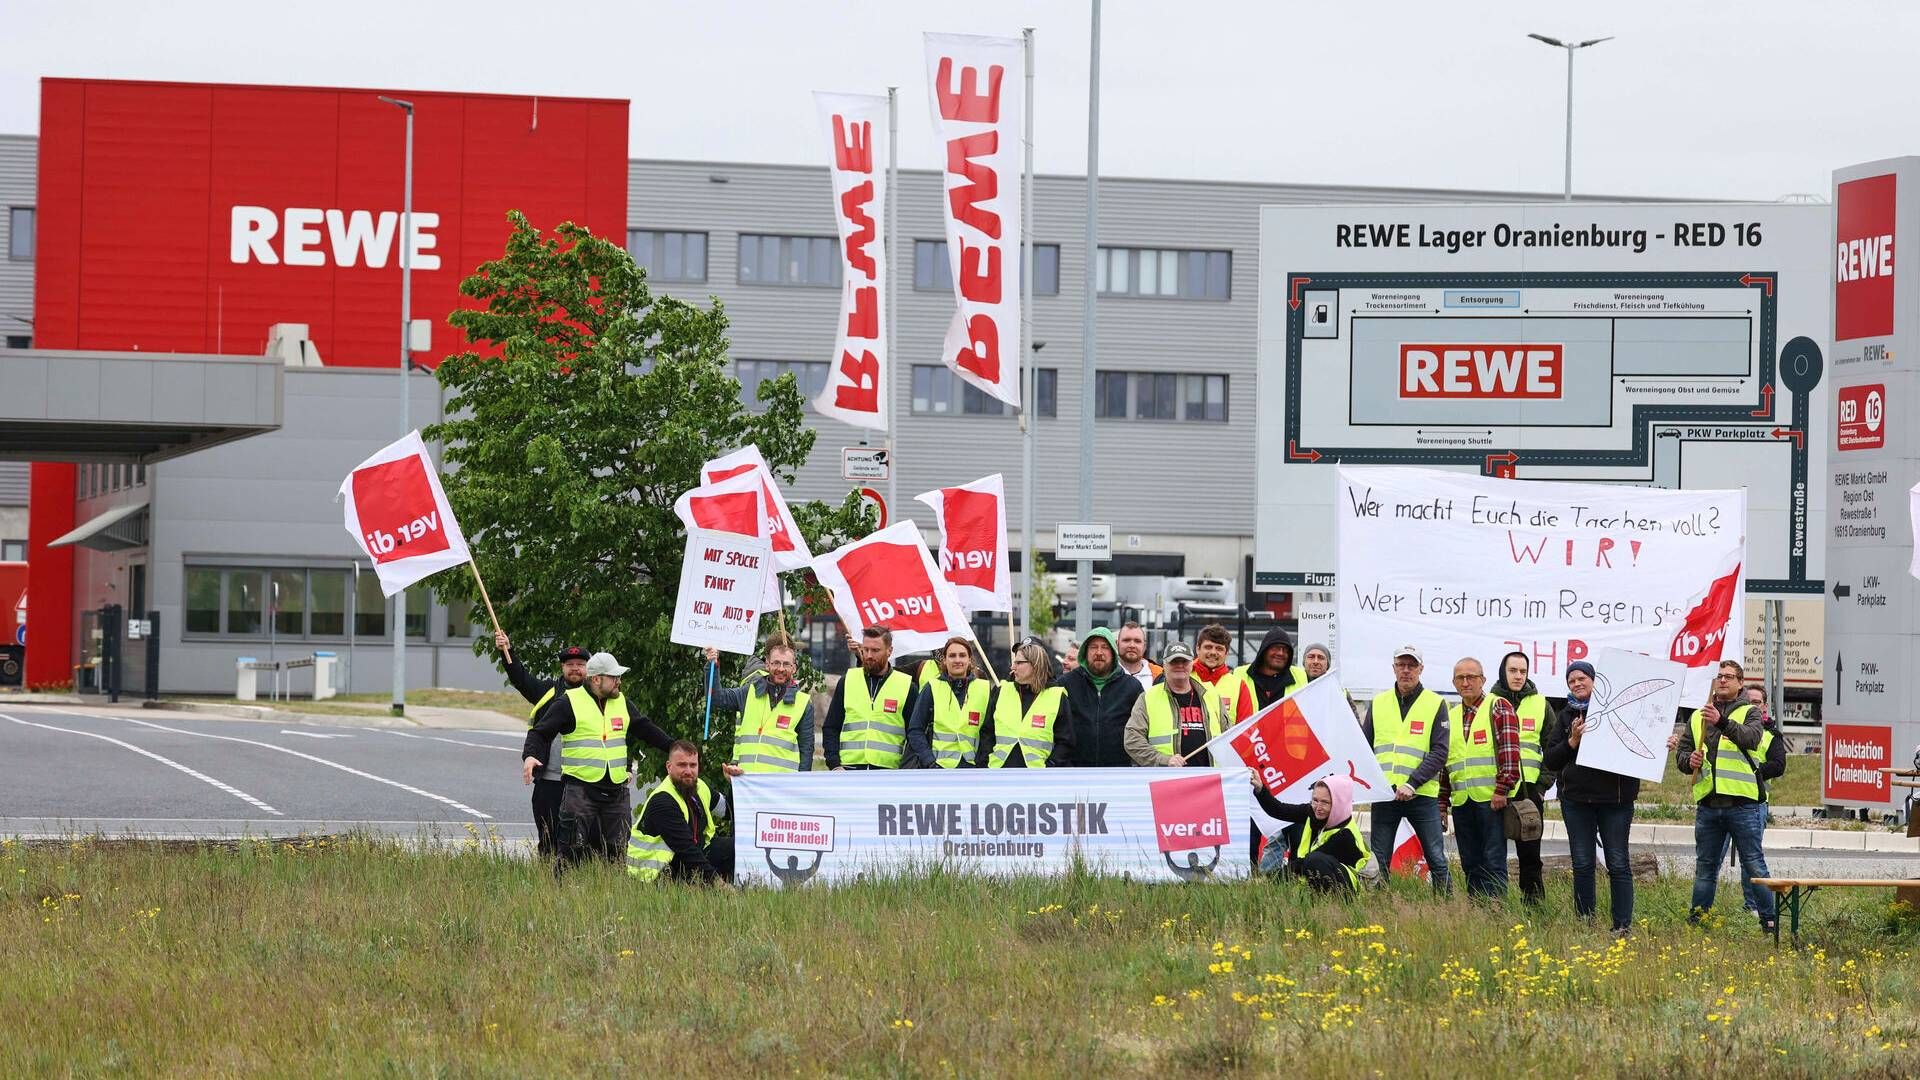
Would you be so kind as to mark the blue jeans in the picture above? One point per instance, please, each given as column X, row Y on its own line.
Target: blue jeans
column 1712, row 828
column 1423, row 812
column 1609, row 824
column 1481, row 834
column 1750, row 893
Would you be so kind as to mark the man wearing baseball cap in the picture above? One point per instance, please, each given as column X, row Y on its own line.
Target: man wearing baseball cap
column 1407, row 726
column 592, row 725
column 538, row 691
column 1175, row 717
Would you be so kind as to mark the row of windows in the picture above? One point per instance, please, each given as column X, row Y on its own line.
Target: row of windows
column 102, row 479
column 937, row 391
column 767, row 259
column 239, row 602
column 1160, row 395
column 20, row 227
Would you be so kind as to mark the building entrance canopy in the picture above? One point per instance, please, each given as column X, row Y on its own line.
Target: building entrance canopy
column 86, row 406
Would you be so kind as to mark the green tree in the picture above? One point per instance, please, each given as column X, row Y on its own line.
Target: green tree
column 1040, row 604
column 589, row 410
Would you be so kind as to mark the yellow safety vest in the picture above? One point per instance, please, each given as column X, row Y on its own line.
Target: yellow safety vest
column 534, row 713
column 596, row 748
column 875, row 731
column 647, row 855
column 1760, row 758
column 956, row 723
column 1310, row 841
column 928, row 674
column 1231, row 685
column 768, row 736
column 1399, row 742
column 1726, row 771
column 1533, row 717
column 1031, row 731
column 1472, row 767
column 1163, row 732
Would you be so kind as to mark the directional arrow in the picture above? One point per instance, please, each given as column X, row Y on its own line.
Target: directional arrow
column 1293, row 291
column 1839, row 673
column 1294, row 453
column 1841, row 591
column 1799, row 437
column 317, row 734
column 1758, row 279
column 1452, row 431
column 1508, row 458
column 1766, row 402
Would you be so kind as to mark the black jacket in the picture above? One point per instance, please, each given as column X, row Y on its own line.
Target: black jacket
column 1341, row 845
column 1062, row 753
column 1268, row 689
column 557, row 720
column 1099, row 717
column 531, row 686
column 1579, row 783
column 661, row 817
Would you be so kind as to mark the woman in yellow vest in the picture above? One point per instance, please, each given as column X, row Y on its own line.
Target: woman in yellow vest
column 1323, row 845
column 948, row 712
column 1029, row 724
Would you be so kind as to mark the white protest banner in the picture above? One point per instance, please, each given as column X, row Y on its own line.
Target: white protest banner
column 973, row 541
column 979, row 105
column 889, row 579
column 722, row 586
column 857, row 389
column 399, row 516
column 1306, row 736
column 1460, row 565
column 790, row 550
column 1635, row 699
column 734, row 505
column 1150, row 824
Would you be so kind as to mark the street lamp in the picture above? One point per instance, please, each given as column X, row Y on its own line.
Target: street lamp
column 406, row 361
column 1571, row 47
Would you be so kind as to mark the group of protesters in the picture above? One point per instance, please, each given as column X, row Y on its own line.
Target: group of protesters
column 1483, row 766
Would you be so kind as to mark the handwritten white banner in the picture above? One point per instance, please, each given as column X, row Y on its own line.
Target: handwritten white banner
column 723, row 581
column 1459, row 565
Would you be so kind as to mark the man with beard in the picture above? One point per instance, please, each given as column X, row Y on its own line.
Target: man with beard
column 675, row 830
column 1133, row 655
column 866, row 724
column 1523, row 819
column 1252, row 687
column 775, row 731
column 1100, row 697
column 587, row 729
column 538, row 691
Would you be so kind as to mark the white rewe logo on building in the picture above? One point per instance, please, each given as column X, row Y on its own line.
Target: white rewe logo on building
column 312, row 236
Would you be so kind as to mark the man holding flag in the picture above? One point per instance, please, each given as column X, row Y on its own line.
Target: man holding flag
column 1717, row 751
column 775, row 732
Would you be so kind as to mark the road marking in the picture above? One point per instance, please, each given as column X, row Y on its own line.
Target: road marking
column 455, row 803
column 317, row 734
column 456, row 742
column 478, row 731
column 169, row 762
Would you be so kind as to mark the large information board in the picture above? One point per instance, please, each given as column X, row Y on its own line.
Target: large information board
column 1668, row 345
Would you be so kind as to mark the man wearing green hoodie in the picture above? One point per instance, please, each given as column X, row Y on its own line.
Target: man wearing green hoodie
column 1100, row 696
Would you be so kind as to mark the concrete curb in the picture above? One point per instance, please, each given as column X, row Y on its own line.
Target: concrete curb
column 1783, row 839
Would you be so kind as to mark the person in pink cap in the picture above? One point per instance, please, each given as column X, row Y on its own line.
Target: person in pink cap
column 1323, row 844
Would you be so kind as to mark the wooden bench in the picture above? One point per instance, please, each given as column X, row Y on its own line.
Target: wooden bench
column 1793, row 892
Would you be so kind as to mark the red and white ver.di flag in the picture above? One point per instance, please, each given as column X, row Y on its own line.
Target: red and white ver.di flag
column 1408, row 857
column 979, row 108
column 973, row 541
column 790, row 550
column 399, row 516
column 1701, row 639
column 1304, row 737
column 857, row 379
column 888, row 579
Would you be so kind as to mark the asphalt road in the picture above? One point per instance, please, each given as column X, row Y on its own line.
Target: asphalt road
column 72, row 771
column 75, row 771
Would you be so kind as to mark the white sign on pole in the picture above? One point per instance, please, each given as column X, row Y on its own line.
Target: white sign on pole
column 1150, row 824
column 864, row 463
column 722, row 587
column 1475, row 566
column 1635, row 700
column 1075, row 540
column 1316, row 625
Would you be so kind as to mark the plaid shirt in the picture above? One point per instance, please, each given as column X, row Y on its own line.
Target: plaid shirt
column 1506, row 745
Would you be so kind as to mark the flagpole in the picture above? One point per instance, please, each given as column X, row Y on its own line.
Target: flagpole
column 487, row 600
column 706, row 731
column 892, row 286
column 1027, row 373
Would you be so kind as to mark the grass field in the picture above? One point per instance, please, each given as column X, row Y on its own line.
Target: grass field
column 350, row 957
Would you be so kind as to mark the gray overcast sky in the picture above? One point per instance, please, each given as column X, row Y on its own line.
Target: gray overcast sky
column 1708, row 99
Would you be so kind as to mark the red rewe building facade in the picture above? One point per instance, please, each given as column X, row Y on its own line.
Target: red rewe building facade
column 178, row 217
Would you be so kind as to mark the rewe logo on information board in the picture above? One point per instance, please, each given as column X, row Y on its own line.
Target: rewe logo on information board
column 1863, row 258
column 1480, row 371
